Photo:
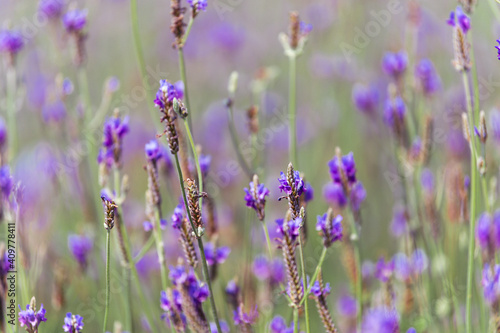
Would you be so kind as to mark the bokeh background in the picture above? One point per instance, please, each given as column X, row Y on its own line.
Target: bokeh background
column 232, row 35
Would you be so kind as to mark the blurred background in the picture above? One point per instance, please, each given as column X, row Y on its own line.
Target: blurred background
column 232, row 35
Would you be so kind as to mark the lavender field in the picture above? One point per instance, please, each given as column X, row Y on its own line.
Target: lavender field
column 249, row 166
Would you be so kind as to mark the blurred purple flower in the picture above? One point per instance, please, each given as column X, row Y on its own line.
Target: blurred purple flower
column 308, row 192
column 319, row 291
column 240, row 317
column 395, row 109
column 11, row 41
column 343, row 166
column 292, row 228
column 216, row 255
column 223, row 326
column 80, row 247
column 167, row 92
column 399, row 224
column 153, row 150
column 347, row 306
column 394, row 64
column 427, row 180
column 380, row 320
column 384, row 270
column 51, row 8
column 491, row 284
column 330, row 230
column 365, row 98
column 427, row 77
column 75, row 20
column 334, row 193
column 6, row 181
column 148, row 226
column 255, row 197
column 55, row 112
column 178, row 216
column 198, row 4
column 460, row 18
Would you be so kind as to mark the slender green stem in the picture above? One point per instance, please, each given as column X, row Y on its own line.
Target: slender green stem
column 108, row 251
column 142, row 252
column 304, row 280
column 292, row 111
column 315, row 276
column 295, row 320
column 196, row 160
column 85, row 95
column 128, row 298
column 470, row 260
column 182, row 69
column 206, row 275
column 268, row 240
column 160, row 249
column 140, row 60
column 12, row 110
column 236, row 142
column 357, row 257
column 188, row 30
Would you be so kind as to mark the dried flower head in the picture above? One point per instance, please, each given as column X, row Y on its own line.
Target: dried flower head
column 193, row 196
column 177, row 26
column 319, row 293
column 461, row 49
column 256, row 197
column 164, row 102
column 109, row 213
column 293, row 185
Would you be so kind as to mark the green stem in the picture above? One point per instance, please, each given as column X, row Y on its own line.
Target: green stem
column 11, row 111
column 108, row 251
column 206, row 275
column 357, row 257
column 304, row 280
column 268, row 240
column 182, row 69
column 295, row 320
column 128, row 299
column 140, row 60
column 160, row 249
column 196, row 160
column 236, row 142
column 292, row 110
column 142, row 252
column 315, row 276
column 85, row 95
column 470, row 260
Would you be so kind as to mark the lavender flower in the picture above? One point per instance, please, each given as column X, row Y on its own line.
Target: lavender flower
column 216, row 255
column 256, row 197
column 384, row 270
column 180, row 222
column 427, row 77
column 75, row 20
column 380, row 320
column 491, row 284
column 223, row 326
column 343, row 170
column 147, row 226
column 114, row 130
column 293, row 185
column 320, row 292
column 198, row 5
column 394, row 112
column 171, row 303
column 365, row 98
column 458, row 17
column 73, row 323
column 308, row 192
column 6, row 181
column 51, row 8
column 289, row 229
column 233, row 293
column 347, row 306
column 278, row 325
column 80, row 247
column 399, row 224
column 394, row 64
column 153, row 150
column 167, row 92
column 30, row 318
column 245, row 319
column 11, row 41
column 329, row 227
column 334, row 193
column 264, row 269
column 498, row 49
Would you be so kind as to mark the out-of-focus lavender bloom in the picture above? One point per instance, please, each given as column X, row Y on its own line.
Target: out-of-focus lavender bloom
column 198, row 4
column 285, row 186
column 384, row 270
column 484, row 231
column 260, row 268
column 216, row 255
column 30, row 318
column 51, row 8
column 367, row 269
column 318, row 291
column 153, row 150
column 264, row 269
column 227, row 37
column 205, row 162
column 241, row 317
column 334, row 193
column 54, row 112
column 171, row 303
column 6, row 181
column 399, row 224
column 498, row 49
column 394, row 64
column 343, row 167
column 147, row 225
column 278, row 325
column 75, row 20
column 11, row 41
column 73, row 323
column 402, row 266
column 292, row 229
column 223, row 326
column 395, row 110
column 427, row 180
column 256, row 197
column 3, row 134
column 178, row 216
column 411, row 330
column 80, row 247
column 308, row 192
column 115, row 129
column 357, row 196
column 365, row 98
column 167, row 92
column 419, row 261
column 347, row 306
column 491, row 283
column 67, row 87
column 197, row 290
column 380, row 320
column 427, row 77
column 494, row 124
column 329, row 227
column 232, row 293
column 460, row 18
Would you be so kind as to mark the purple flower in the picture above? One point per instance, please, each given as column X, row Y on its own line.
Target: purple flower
column 399, row 224
column 232, row 289
column 4, row 266
column 384, row 270
column 181, row 277
column 318, row 291
column 305, row 28
column 289, row 229
column 427, row 180
column 216, row 255
column 308, row 192
column 330, row 228
column 347, row 306
column 198, row 4
column 3, row 134
column 427, row 77
column 30, row 318
column 343, row 167
column 365, row 98
column 334, row 193
column 411, row 330
column 223, row 326
column 402, row 266
column 277, row 271
column 114, row 130
column 358, row 195
column 260, row 268
column 80, row 247
column 6, row 181
column 148, row 226
column 491, row 283
column 484, row 231
column 419, row 261
column 178, row 217
column 153, row 150
column 11, row 41
column 256, row 197
column 73, row 323
column 51, row 8
column 287, row 188
column 240, row 317
column 380, row 320
column 395, row 110
column 460, row 18
column 394, row 64
column 167, row 92
column 205, row 162
column 278, row 325
column 75, row 20
column 498, row 49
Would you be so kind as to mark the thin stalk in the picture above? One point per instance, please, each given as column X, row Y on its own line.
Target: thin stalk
column 470, row 260
column 357, row 257
column 182, row 69
column 236, row 143
column 142, row 252
column 206, row 275
column 196, row 160
column 268, row 240
column 108, row 251
column 141, row 63
column 315, row 276
column 292, row 110
column 85, row 95
column 11, row 111
column 295, row 320
column 304, row 281
column 160, row 249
